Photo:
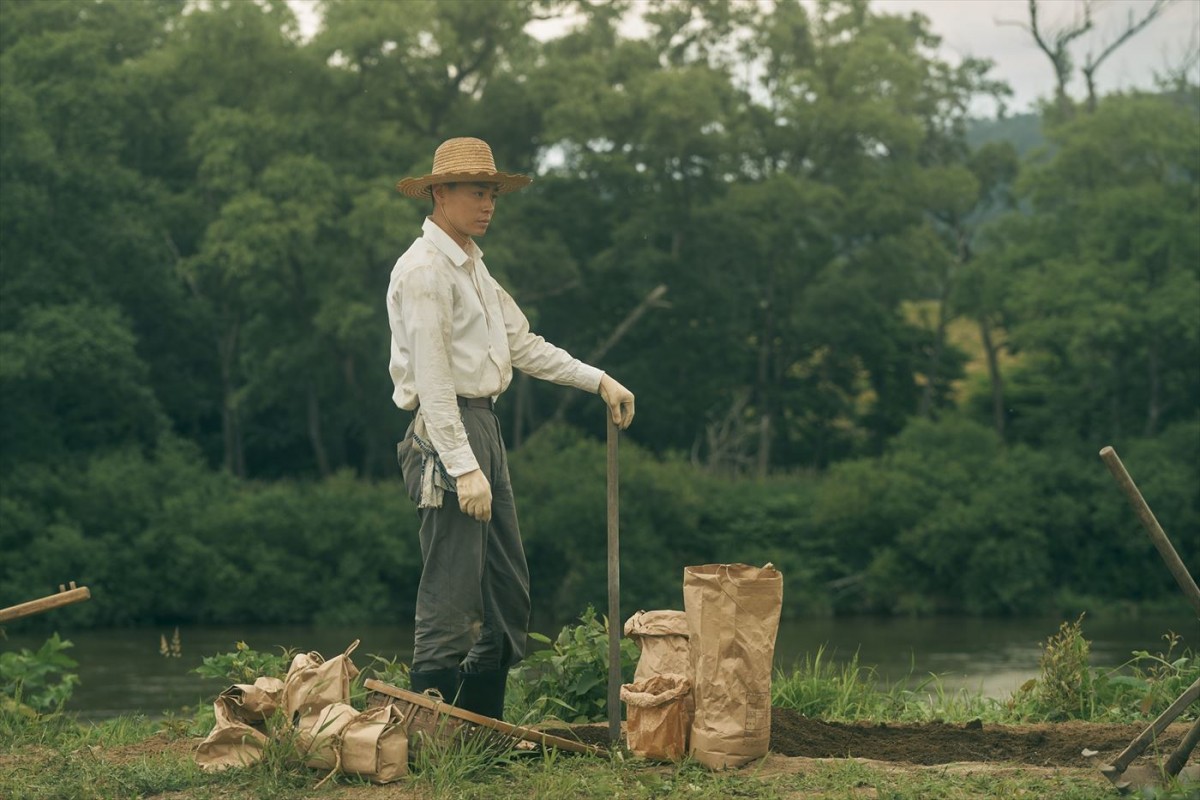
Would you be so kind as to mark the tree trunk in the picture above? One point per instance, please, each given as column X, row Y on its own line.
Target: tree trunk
column 227, row 345
column 370, row 445
column 520, row 408
column 764, row 444
column 935, row 358
column 1154, row 404
column 314, row 431
column 997, row 380
column 764, row 393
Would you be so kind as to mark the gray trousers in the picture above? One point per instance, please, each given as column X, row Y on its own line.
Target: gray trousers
column 473, row 600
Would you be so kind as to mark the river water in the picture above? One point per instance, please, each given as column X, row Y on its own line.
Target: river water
column 122, row 671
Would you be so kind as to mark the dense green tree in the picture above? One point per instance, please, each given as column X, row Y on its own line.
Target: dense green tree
column 1098, row 288
column 766, row 218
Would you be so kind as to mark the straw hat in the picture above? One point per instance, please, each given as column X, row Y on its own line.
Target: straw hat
column 463, row 159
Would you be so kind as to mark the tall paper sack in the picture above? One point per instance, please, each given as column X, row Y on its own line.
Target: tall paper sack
column 733, row 617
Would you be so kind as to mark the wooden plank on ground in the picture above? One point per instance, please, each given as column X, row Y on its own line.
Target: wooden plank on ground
column 516, row 731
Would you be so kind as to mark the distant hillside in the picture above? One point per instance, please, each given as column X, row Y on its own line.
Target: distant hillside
column 1023, row 130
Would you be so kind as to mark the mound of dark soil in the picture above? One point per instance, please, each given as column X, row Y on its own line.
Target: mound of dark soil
column 1045, row 745
column 1056, row 744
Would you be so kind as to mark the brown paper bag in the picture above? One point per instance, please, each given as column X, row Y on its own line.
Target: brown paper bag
column 234, row 741
column 375, row 745
column 234, row 744
column 662, row 636
column 319, row 734
column 254, row 702
column 313, row 683
column 733, row 616
column 657, row 717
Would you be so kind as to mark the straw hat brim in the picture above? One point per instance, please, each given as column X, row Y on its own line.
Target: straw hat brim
column 422, row 187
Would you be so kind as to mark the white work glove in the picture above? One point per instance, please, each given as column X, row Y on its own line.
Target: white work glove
column 619, row 399
column 475, row 495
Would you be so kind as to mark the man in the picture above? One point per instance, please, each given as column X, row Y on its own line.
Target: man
column 456, row 336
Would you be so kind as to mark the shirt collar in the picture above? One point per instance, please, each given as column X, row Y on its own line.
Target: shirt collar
column 442, row 241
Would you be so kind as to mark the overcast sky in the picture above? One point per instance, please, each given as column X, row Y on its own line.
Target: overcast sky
column 969, row 28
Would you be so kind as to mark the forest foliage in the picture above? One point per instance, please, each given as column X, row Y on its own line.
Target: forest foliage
column 885, row 357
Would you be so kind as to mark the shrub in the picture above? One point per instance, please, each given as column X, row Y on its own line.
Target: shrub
column 245, row 665
column 569, row 679
column 39, row 680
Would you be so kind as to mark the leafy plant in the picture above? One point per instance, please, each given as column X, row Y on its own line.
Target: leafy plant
column 1147, row 683
column 1066, row 686
column 569, row 679
column 245, row 665
column 40, row 680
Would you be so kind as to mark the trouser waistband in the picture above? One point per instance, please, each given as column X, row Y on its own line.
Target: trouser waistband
column 476, row 402
column 469, row 402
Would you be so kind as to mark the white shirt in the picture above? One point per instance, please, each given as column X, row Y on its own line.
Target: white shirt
column 455, row 331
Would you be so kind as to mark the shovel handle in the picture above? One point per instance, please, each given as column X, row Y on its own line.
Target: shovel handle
column 64, row 597
column 1174, row 563
column 614, row 589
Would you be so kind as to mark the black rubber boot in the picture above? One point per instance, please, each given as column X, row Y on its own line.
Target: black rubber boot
column 483, row 692
column 445, row 681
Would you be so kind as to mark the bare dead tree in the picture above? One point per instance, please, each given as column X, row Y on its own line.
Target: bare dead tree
column 1176, row 74
column 1059, row 52
column 1055, row 43
column 1132, row 26
column 727, row 439
column 651, row 300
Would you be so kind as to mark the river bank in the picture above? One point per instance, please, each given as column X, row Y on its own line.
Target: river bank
column 837, row 731
column 130, row 757
column 123, row 671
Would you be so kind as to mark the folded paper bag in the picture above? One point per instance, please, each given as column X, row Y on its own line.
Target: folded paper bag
column 319, row 735
column 658, row 716
column 313, row 683
column 235, row 741
column 662, row 637
column 375, row 745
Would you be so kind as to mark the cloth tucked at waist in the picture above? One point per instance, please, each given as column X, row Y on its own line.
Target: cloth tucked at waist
column 435, row 480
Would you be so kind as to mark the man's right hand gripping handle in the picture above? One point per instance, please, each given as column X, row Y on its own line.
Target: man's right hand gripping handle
column 475, row 495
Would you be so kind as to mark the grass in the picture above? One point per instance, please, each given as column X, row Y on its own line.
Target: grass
column 53, row 755
column 850, row 692
column 68, row 772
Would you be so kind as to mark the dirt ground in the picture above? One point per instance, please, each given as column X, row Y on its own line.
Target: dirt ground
column 801, row 745
column 1060, row 744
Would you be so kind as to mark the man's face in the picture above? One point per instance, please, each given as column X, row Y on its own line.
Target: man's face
column 468, row 206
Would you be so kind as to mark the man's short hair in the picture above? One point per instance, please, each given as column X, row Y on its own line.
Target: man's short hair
column 432, row 199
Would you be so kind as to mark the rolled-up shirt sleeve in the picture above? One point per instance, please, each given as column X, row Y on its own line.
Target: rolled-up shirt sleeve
column 426, row 306
column 536, row 357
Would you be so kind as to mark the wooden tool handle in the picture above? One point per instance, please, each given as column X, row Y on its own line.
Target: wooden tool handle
column 518, row 731
column 64, row 597
column 614, row 588
column 1157, row 535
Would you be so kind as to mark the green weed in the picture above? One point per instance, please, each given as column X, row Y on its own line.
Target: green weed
column 569, row 679
column 245, row 665
column 1068, row 688
column 39, row 680
column 1147, row 683
column 447, row 760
